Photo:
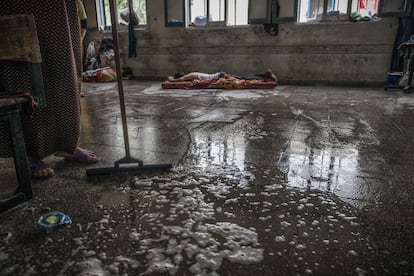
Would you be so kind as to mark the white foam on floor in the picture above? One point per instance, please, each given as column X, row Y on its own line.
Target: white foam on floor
column 221, row 94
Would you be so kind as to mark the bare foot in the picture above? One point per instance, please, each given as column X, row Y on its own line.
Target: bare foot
column 170, row 78
column 272, row 76
column 40, row 170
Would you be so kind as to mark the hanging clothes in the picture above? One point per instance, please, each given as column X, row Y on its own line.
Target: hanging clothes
column 404, row 32
column 132, row 43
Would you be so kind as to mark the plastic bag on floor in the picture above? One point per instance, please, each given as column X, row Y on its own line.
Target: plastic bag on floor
column 90, row 51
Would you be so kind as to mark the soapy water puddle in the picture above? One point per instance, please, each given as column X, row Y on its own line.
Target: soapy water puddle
column 219, row 211
column 195, row 221
column 222, row 94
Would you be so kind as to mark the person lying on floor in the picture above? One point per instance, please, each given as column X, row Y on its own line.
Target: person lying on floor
column 267, row 75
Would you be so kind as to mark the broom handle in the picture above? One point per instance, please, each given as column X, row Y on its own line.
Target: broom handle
column 114, row 28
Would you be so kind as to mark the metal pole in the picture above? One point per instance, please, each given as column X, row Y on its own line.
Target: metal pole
column 114, row 20
column 140, row 167
column 325, row 10
column 349, row 8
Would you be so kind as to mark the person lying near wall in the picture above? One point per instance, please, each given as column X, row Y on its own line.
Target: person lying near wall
column 223, row 80
column 264, row 76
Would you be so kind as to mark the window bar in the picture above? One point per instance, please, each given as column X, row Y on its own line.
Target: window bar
column 187, row 13
column 235, row 12
column 309, row 10
column 207, row 3
column 98, row 14
column 220, row 10
column 103, row 14
column 319, row 5
column 225, row 14
column 188, row 4
column 349, row 9
column 325, row 9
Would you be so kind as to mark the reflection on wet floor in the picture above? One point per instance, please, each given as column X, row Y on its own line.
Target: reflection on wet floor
column 293, row 181
column 334, row 169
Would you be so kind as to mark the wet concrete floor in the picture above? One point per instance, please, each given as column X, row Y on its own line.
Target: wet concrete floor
column 291, row 181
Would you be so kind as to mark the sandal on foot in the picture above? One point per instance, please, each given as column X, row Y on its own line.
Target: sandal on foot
column 37, row 168
column 83, row 156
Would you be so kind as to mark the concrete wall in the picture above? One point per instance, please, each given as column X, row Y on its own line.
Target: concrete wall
column 311, row 53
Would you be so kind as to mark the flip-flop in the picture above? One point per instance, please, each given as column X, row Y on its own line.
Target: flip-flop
column 82, row 156
column 38, row 166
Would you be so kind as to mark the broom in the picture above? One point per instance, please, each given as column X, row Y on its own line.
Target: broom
column 128, row 163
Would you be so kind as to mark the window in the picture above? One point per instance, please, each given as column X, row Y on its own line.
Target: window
column 258, row 11
column 175, row 13
column 104, row 14
column 217, row 12
column 317, row 10
column 325, row 10
column 228, row 12
column 271, row 12
column 237, row 12
column 199, row 9
column 396, row 7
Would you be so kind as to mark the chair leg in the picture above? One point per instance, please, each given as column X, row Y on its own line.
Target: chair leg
column 19, row 151
column 24, row 191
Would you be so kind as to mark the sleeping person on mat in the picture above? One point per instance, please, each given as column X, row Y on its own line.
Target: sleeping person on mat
column 266, row 76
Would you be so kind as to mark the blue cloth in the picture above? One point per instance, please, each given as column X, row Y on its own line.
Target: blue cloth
column 132, row 42
column 132, row 45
